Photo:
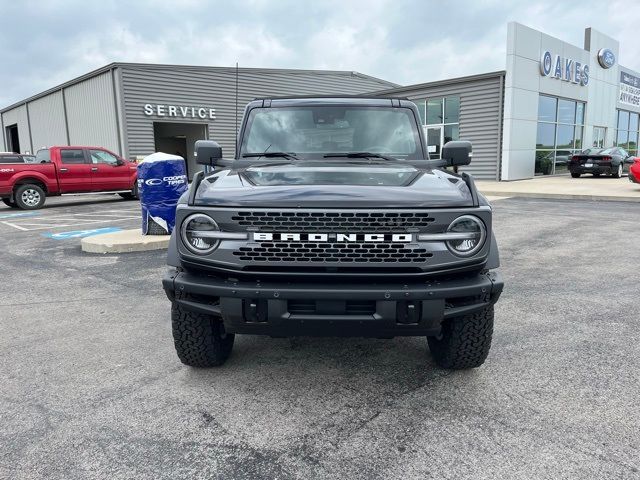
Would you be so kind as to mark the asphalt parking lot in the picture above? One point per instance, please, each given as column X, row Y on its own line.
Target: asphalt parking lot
column 91, row 386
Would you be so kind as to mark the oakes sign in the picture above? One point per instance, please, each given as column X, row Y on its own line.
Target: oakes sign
column 566, row 69
column 179, row 111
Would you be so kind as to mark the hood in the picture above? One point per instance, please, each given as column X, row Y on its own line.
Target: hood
column 326, row 186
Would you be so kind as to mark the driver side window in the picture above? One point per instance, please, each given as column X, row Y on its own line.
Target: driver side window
column 100, row 156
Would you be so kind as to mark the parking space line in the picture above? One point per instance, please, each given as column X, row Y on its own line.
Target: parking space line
column 15, row 226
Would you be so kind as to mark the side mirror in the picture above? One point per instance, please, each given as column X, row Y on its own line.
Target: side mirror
column 208, row 152
column 119, row 162
column 457, row 153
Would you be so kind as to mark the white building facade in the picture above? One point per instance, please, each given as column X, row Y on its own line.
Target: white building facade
column 560, row 99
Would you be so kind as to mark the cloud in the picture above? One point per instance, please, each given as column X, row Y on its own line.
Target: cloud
column 404, row 41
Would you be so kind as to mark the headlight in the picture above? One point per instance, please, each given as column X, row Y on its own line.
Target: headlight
column 196, row 233
column 471, row 232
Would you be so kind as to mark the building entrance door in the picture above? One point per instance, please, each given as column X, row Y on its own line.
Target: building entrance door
column 179, row 139
column 434, row 142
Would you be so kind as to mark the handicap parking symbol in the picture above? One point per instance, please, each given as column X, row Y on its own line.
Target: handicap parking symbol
column 80, row 233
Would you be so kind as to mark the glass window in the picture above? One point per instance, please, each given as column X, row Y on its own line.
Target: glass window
column 422, row 105
column 633, row 142
column 100, row 156
column 434, row 111
column 451, row 110
column 623, row 120
column 72, row 156
column 547, row 109
column 312, row 131
column 561, row 161
column 566, row 111
column 622, row 138
column 546, row 135
column 580, row 113
column 43, row 156
column 544, row 162
column 564, row 137
column 633, row 122
column 578, row 137
column 451, row 132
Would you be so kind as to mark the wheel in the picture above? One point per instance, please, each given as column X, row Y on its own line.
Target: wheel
column 464, row 342
column 9, row 203
column 132, row 195
column 200, row 340
column 29, row 196
column 596, row 175
column 618, row 172
column 575, row 175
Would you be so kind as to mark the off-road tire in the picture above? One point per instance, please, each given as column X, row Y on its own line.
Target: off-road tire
column 464, row 342
column 575, row 175
column 9, row 203
column 200, row 339
column 26, row 205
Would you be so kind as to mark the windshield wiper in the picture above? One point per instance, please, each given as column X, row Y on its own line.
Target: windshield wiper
column 289, row 155
column 360, row 155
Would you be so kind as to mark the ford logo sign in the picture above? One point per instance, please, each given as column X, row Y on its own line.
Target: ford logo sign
column 606, row 58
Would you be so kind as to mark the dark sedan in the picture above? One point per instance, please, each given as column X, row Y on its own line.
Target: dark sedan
column 601, row 161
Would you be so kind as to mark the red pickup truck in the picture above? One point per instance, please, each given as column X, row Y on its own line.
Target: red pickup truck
column 60, row 170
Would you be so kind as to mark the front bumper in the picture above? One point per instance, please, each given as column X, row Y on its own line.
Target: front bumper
column 633, row 177
column 333, row 309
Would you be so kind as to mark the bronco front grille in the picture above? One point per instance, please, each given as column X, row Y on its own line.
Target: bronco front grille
column 335, row 222
column 332, row 252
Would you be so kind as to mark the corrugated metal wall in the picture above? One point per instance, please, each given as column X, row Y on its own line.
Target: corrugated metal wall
column 91, row 112
column 480, row 117
column 18, row 116
column 46, row 115
column 215, row 88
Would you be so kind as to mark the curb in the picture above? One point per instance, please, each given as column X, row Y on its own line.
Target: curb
column 125, row 241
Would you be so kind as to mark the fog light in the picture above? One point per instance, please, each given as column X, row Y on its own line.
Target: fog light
column 196, row 233
column 471, row 234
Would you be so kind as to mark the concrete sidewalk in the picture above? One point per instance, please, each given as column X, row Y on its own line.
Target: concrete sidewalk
column 585, row 188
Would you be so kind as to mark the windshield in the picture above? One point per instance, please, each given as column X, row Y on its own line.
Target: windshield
column 314, row 131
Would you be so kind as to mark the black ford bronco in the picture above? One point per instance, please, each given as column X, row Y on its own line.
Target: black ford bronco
column 333, row 221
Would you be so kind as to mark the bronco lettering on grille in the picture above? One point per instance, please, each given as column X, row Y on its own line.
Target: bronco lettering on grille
column 333, row 237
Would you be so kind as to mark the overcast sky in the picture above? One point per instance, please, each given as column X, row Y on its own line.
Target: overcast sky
column 46, row 43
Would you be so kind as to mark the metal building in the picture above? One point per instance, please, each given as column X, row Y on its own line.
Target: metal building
column 137, row 109
column 466, row 108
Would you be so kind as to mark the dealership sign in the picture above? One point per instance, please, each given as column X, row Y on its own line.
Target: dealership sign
column 629, row 89
column 202, row 113
column 606, row 58
column 565, row 69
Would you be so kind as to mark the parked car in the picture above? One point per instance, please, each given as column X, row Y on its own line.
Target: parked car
column 60, row 170
column 612, row 161
column 634, row 171
column 6, row 157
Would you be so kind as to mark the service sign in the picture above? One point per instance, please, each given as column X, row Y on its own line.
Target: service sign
column 629, row 89
column 565, row 69
column 180, row 111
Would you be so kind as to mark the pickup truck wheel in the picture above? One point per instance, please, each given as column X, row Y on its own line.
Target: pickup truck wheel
column 132, row 195
column 464, row 342
column 200, row 340
column 9, row 203
column 29, row 197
